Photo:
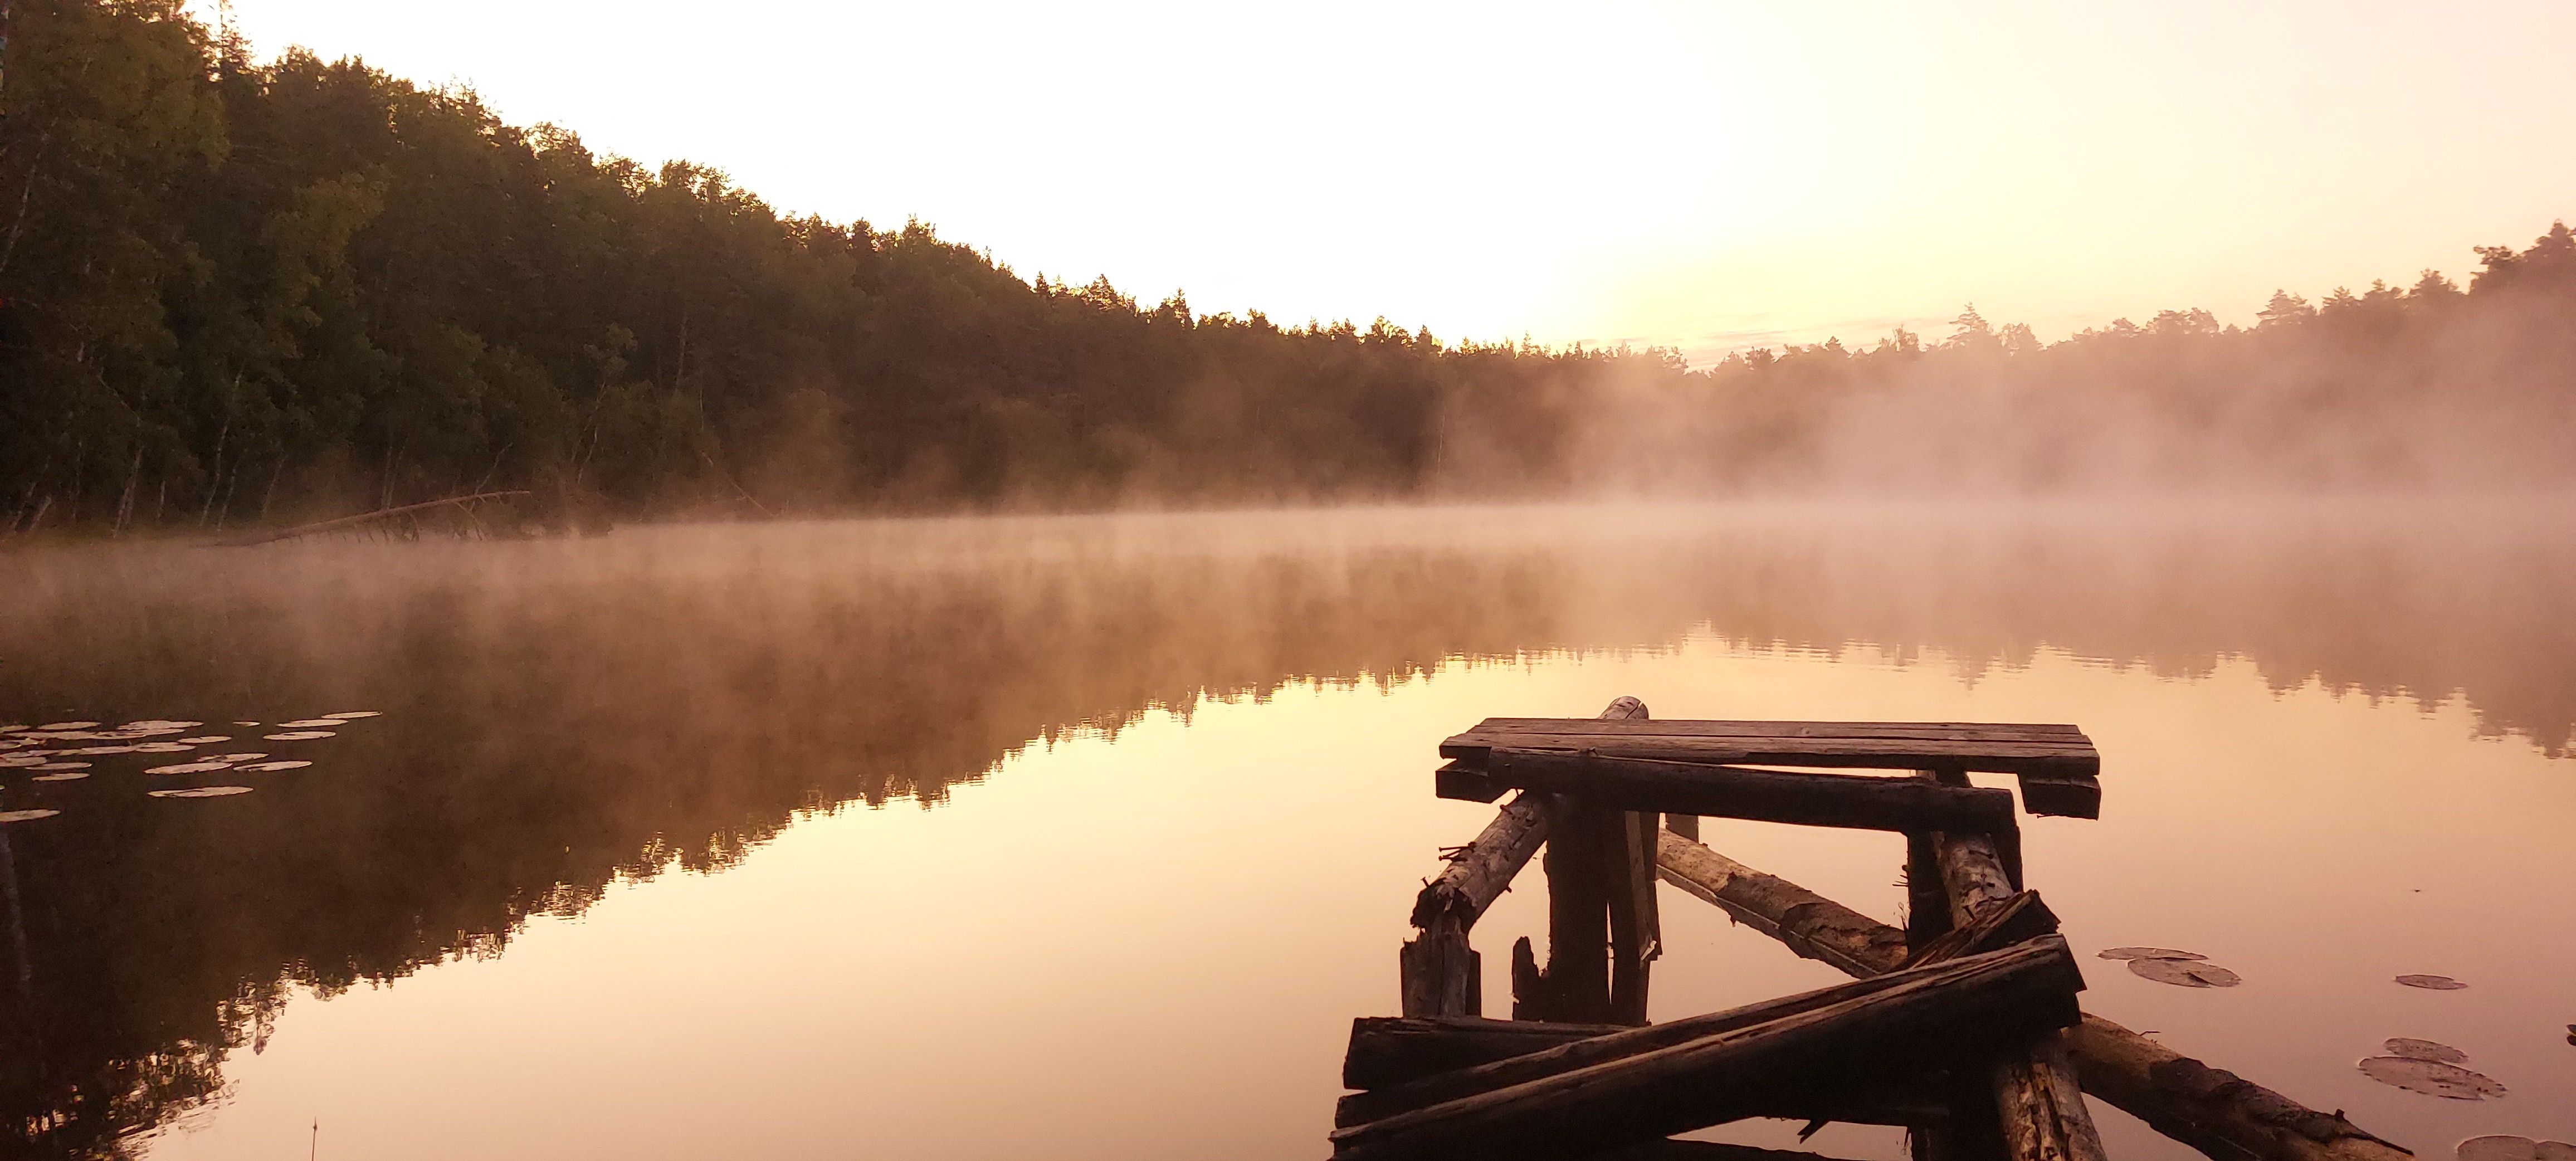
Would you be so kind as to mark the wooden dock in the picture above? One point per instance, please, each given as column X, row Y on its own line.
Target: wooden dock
column 1963, row 1027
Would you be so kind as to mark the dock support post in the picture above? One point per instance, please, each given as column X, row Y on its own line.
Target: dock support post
column 1583, row 842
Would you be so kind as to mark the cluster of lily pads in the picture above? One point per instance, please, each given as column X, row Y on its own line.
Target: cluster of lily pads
column 61, row 751
column 2420, row 1066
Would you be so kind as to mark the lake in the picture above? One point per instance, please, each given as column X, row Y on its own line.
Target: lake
column 1086, row 837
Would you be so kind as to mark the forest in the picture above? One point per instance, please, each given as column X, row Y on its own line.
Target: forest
column 237, row 292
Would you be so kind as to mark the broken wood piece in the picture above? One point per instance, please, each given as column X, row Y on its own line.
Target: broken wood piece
column 1582, row 1051
column 2058, row 767
column 1636, row 928
column 1575, row 984
column 2212, row 1110
column 1440, row 972
column 1937, row 1014
column 1855, row 801
column 2020, row 917
column 1391, row 1050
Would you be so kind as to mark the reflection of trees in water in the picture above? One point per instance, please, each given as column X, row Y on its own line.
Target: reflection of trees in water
column 561, row 716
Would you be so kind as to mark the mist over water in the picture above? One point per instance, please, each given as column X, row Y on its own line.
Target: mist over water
column 566, row 722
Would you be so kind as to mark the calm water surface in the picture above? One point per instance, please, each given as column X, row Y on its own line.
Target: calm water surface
column 1087, row 837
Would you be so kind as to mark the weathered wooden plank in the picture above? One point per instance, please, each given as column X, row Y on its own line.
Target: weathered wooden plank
column 1636, row 927
column 1576, row 982
column 1807, row 799
column 1386, row 1051
column 1439, row 972
column 1942, row 1013
column 2021, row 917
column 2210, row 1109
column 1583, row 1051
column 1725, row 728
column 2057, row 765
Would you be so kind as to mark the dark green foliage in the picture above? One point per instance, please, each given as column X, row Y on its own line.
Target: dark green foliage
column 236, row 292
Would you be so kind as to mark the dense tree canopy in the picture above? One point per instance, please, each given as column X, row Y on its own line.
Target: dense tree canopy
column 233, row 291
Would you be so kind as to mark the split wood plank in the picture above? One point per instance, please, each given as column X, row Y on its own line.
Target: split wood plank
column 1636, row 926
column 2213, row 1110
column 1937, row 1014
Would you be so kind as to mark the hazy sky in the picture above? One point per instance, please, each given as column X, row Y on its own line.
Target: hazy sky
column 1704, row 175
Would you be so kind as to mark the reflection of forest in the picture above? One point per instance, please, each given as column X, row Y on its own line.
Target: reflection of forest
column 560, row 714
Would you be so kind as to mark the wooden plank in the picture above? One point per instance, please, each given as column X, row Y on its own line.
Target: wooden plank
column 1636, row 928
column 1938, row 1014
column 1576, row 982
column 1807, row 798
column 1723, row 728
column 1584, row 1051
column 2056, row 764
column 2210, row 1109
column 1386, row 1051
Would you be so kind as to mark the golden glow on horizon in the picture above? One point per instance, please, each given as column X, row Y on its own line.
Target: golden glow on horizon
column 1706, row 175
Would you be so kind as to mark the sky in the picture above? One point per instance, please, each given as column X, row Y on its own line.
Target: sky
column 1708, row 176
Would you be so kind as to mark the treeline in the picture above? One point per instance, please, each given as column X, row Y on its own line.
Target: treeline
column 233, row 291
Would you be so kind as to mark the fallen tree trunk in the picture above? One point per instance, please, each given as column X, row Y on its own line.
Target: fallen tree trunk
column 1926, row 1017
column 363, row 517
column 2212, row 1110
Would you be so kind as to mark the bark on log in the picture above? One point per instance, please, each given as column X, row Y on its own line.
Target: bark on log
column 2212, row 1110
column 1387, row 1051
column 1857, row 801
column 1590, row 1046
column 1936, row 1014
column 1439, row 972
column 1813, row 926
column 2036, row 1099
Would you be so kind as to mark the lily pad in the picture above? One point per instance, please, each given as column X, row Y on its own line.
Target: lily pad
column 103, row 750
column 2185, row 973
column 205, row 739
column 309, row 724
column 2413, row 1049
column 180, row 747
column 9, row 816
column 11, row 729
column 353, row 715
column 273, row 767
column 2147, row 953
column 233, row 757
column 2502, row 1148
column 245, row 723
column 2432, row 1078
column 61, row 766
column 2434, row 983
column 13, row 760
column 68, row 726
column 200, row 792
column 160, row 724
column 191, row 768
column 64, row 776
column 298, row 735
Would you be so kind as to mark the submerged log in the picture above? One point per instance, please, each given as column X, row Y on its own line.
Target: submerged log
column 1927, row 1016
column 1857, row 801
column 1585, row 1045
column 337, row 523
column 2212, row 1110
